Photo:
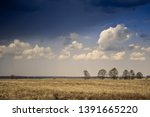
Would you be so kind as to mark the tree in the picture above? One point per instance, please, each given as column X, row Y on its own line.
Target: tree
column 12, row 76
column 86, row 74
column 132, row 74
column 126, row 74
column 139, row 75
column 113, row 73
column 102, row 73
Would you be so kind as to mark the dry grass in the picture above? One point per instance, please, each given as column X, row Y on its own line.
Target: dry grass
column 74, row 89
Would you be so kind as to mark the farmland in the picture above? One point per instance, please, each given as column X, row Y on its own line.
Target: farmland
column 74, row 89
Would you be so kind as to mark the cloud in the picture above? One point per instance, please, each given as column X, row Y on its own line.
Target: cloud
column 75, row 45
column 23, row 50
column 17, row 46
column 87, row 49
column 2, row 48
column 21, row 5
column 111, row 38
column 14, row 48
column 118, row 3
column 133, row 47
column 71, row 42
column 65, row 54
column 146, row 49
column 37, row 52
column 72, row 37
column 118, row 56
column 94, row 55
column 137, row 56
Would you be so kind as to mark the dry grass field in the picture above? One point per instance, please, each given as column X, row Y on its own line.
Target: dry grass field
column 74, row 89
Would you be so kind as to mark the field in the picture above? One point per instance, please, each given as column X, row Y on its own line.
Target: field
column 74, row 89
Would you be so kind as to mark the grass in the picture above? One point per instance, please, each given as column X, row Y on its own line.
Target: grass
column 74, row 89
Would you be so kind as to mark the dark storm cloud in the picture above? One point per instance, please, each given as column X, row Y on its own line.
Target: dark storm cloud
column 118, row 3
column 27, row 18
column 51, row 18
column 39, row 18
column 20, row 5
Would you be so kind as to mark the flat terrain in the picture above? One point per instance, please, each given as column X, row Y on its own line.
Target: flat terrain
column 55, row 89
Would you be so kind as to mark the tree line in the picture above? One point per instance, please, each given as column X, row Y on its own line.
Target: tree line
column 113, row 74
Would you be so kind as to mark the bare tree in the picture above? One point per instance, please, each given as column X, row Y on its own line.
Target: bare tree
column 139, row 75
column 113, row 73
column 86, row 74
column 126, row 74
column 102, row 73
column 132, row 74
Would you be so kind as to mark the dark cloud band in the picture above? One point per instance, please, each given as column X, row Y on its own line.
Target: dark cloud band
column 118, row 3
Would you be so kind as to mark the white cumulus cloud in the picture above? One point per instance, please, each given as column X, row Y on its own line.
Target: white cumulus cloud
column 65, row 54
column 24, row 50
column 94, row 55
column 118, row 56
column 17, row 46
column 133, row 47
column 37, row 52
column 146, row 49
column 137, row 56
column 113, row 36
column 75, row 45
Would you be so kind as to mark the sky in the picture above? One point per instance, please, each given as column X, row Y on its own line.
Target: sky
column 65, row 37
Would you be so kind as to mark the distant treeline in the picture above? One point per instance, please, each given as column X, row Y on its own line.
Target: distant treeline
column 38, row 77
column 113, row 74
column 22, row 77
column 102, row 74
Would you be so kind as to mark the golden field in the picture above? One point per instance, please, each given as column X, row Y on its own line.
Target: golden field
column 74, row 89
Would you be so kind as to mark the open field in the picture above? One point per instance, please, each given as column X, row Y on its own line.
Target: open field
column 74, row 89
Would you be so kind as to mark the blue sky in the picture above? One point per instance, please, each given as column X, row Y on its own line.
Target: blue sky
column 64, row 37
